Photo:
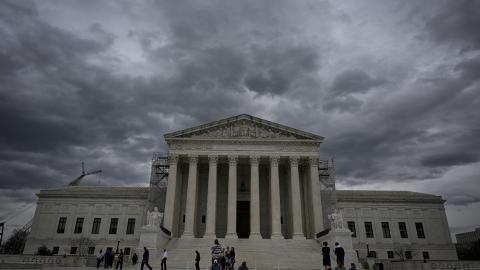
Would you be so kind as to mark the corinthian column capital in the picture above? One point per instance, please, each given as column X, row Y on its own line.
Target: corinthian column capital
column 254, row 160
column 274, row 160
column 193, row 159
column 172, row 159
column 232, row 160
column 294, row 160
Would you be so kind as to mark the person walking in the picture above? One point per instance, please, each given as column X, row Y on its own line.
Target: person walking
column 146, row 255
column 120, row 260
column 340, row 253
column 99, row 258
column 197, row 260
column 353, row 267
column 326, row 256
column 232, row 257
column 223, row 259
column 163, row 265
column 134, row 258
column 216, row 251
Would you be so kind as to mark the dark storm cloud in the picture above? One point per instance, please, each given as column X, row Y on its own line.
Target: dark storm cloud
column 354, row 81
column 456, row 22
column 102, row 81
column 449, row 159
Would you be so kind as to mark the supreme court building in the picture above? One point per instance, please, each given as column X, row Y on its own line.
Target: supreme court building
column 257, row 185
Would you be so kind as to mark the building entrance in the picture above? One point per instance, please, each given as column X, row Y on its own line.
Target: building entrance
column 243, row 219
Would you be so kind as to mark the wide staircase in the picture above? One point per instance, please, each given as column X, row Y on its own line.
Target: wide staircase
column 259, row 254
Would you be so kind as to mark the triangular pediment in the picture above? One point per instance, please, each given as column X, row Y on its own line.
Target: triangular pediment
column 245, row 127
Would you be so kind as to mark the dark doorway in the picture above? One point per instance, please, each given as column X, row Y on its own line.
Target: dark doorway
column 243, row 219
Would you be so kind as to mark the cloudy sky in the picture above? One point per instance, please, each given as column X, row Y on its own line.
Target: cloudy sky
column 394, row 86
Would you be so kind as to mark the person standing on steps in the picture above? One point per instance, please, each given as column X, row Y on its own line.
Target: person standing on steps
column 120, row 260
column 326, row 256
column 146, row 255
column 197, row 260
column 232, row 257
column 216, row 251
column 243, row 266
column 99, row 258
column 340, row 253
column 164, row 260
column 134, row 258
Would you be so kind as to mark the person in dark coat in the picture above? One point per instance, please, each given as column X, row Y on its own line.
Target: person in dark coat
column 134, row 258
column 340, row 253
column 146, row 255
column 326, row 256
column 120, row 260
column 232, row 257
column 106, row 258
column 197, row 260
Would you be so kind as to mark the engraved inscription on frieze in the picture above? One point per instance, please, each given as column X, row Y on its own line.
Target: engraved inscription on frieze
column 243, row 129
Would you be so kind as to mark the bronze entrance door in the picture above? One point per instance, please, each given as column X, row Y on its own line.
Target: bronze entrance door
column 243, row 219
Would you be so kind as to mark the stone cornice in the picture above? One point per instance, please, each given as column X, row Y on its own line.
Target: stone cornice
column 387, row 196
column 96, row 192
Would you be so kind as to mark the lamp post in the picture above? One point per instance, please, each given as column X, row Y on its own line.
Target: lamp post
column 368, row 251
column 118, row 243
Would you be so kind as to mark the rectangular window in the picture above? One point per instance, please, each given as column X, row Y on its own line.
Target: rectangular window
column 78, row 225
column 386, row 230
column 91, row 250
column 408, row 255
column 61, row 225
column 390, row 254
column 402, row 227
column 420, row 231
column 369, row 229
column 131, row 226
column 126, row 251
column 203, row 219
column 351, row 227
column 96, row 225
column 426, row 255
column 73, row 250
column 55, row 250
column 113, row 226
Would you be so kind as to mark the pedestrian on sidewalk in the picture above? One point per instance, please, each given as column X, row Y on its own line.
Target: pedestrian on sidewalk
column 197, row 260
column 146, row 255
column 164, row 260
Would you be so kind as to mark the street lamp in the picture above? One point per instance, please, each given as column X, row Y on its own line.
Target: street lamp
column 368, row 251
column 118, row 243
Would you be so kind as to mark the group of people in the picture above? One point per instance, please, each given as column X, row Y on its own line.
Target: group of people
column 339, row 253
column 109, row 257
column 223, row 259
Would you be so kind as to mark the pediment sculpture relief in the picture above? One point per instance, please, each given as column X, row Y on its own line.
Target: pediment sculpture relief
column 243, row 129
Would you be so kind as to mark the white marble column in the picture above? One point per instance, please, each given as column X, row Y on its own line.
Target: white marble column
column 171, row 191
column 232, row 198
column 275, row 198
column 254, row 199
column 212, row 197
column 296, row 199
column 316, row 196
column 191, row 197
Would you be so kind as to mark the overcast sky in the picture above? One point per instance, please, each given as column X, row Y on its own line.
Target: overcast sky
column 393, row 86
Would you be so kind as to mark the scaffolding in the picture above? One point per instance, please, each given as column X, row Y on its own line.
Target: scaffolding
column 326, row 172
column 158, row 181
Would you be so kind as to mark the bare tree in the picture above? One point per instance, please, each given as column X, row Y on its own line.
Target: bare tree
column 16, row 243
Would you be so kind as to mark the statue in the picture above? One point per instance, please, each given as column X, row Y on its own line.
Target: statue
column 154, row 218
column 336, row 221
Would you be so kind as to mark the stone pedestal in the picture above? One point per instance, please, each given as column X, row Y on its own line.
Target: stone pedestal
column 152, row 238
column 344, row 238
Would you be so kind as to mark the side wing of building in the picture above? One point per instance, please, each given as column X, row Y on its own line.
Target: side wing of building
column 83, row 220
column 397, row 224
